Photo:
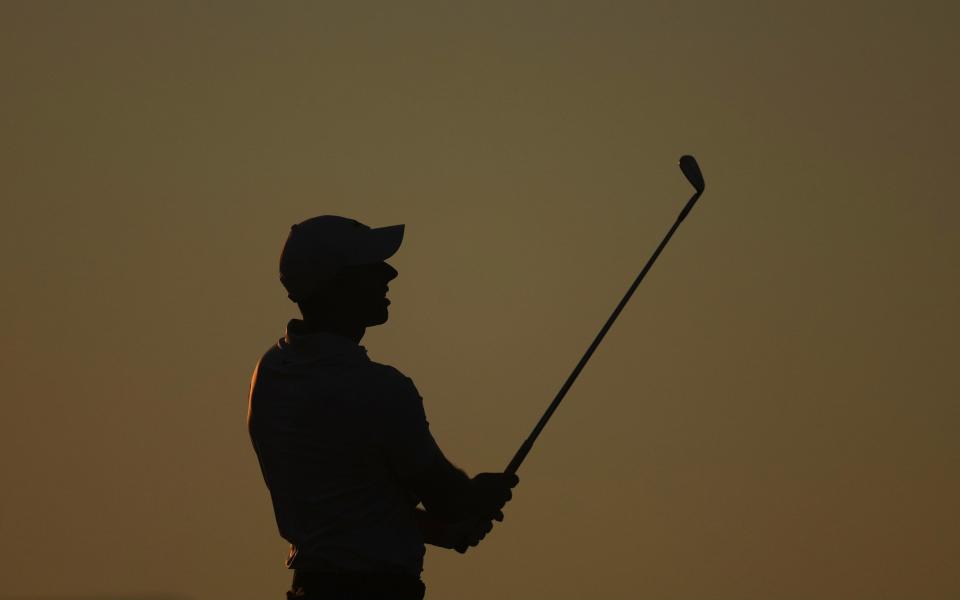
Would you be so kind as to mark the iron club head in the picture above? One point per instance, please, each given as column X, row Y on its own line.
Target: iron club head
column 691, row 171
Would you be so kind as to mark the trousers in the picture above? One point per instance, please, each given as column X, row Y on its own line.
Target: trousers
column 319, row 585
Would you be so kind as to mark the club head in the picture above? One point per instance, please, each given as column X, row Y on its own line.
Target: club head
column 691, row 171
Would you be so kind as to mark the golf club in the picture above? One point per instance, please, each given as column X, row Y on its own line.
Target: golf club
column 691, row 171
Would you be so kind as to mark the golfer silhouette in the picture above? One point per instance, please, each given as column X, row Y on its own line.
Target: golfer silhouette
column 343, row 442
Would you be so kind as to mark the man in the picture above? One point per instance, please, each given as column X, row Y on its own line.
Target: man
column 343, row 442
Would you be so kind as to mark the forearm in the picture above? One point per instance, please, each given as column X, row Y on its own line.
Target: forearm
column 445, row 492
column 432, row 529
column 453, row 536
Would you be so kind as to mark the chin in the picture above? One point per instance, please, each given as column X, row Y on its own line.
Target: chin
column 379, row 319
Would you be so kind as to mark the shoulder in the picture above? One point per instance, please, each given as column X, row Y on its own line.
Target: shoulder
column 398, row 406
column 273, row 353
column 394, row 396
column 391, row 379
column 272, row 356
column 263, row 371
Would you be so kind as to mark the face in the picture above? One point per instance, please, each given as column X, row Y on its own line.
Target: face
column 362, row 292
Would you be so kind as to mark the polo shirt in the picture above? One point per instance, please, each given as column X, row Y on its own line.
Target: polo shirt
column 337, row 435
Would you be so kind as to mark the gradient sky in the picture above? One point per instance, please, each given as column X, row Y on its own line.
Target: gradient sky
column 773, row 417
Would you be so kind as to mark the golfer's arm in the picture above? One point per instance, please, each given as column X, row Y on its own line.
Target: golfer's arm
column 434, row 531
column 444, row 491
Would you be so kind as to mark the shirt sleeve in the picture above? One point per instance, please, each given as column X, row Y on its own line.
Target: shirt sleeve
column 407, row 442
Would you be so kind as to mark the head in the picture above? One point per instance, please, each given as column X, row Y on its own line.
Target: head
column 335, row 269
column 355, row 297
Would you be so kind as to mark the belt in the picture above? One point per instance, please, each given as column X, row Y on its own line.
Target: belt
column 322, row 585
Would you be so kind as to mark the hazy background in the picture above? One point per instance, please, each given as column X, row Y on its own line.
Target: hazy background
column 773, row 417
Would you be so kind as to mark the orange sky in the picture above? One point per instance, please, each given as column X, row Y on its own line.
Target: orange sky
column 773, row 417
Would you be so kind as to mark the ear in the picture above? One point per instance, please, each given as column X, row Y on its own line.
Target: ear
column 302, row 278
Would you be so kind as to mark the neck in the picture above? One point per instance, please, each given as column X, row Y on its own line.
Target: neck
column 352, row 331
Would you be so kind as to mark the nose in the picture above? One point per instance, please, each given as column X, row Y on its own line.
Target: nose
column 389, row 272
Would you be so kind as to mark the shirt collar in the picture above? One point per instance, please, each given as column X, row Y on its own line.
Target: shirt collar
column 321, row 344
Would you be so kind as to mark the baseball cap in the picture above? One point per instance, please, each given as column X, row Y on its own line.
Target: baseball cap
column 318, row 248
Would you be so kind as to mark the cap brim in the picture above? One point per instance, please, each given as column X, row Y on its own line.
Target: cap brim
column 383, row 243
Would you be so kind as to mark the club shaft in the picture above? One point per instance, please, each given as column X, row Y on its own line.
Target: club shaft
column 527, row 445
